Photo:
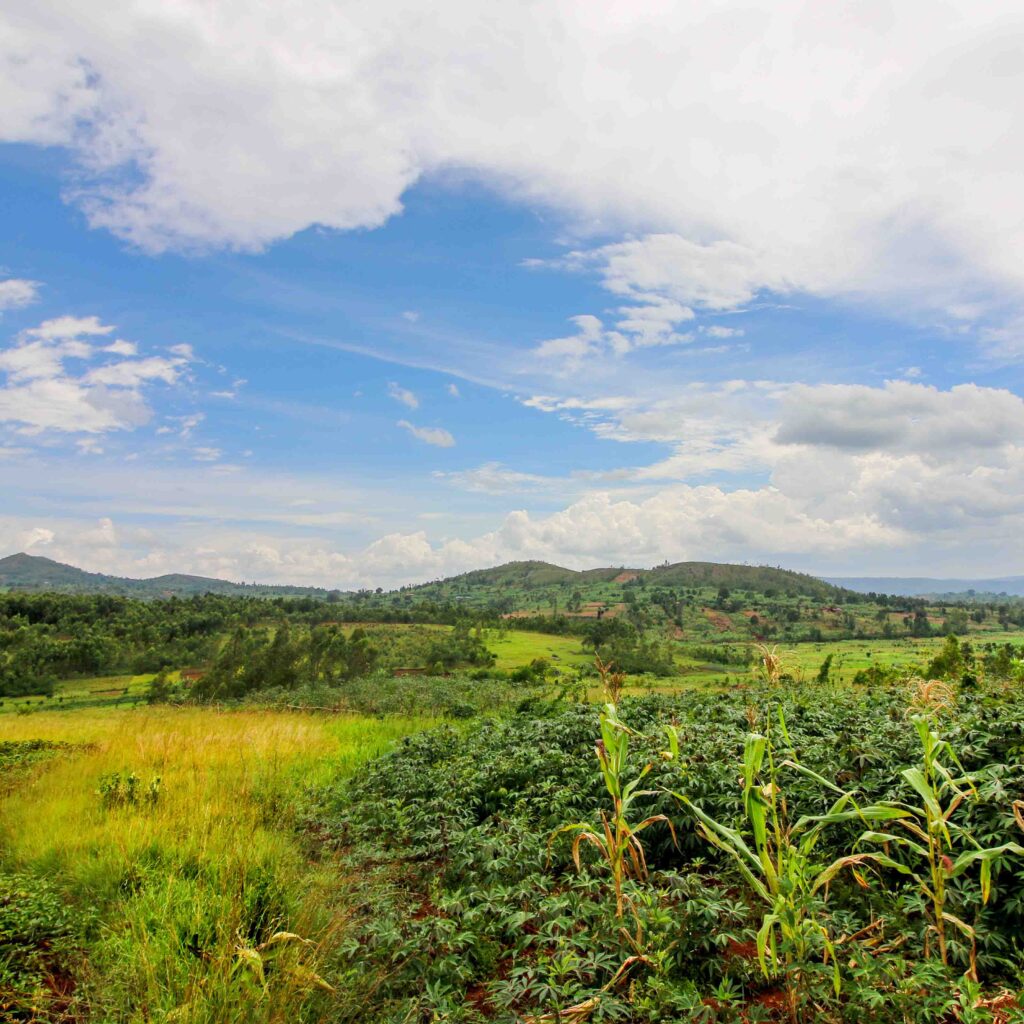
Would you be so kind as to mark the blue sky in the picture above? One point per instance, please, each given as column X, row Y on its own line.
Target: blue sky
column 369, row 301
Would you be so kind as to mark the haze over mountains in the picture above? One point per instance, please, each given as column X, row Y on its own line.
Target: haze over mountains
column 22, row 571
column 923, row 586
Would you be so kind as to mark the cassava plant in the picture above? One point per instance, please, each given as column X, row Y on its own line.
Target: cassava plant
column 780, row 865
column 618, row 843
column 934, row 849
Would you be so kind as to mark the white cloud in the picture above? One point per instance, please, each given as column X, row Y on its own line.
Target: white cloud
column 68, row 407
column 16, row 292
column 902, row 418
column 453, row 389
column 36, row 537
column 64, row 328
column 122, row 348
column 132, row 373
column 38, row 359
column 651, row 324
column 403, row 395
column 717, row 331
column 89, row 446
column 937, row 482
column 670, row 268
column 864, row 151
column 42, row 392
column 204, row 454
column 494, row 478
column 436, row 436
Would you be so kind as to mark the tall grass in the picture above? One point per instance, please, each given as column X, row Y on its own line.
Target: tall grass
column 190, row 890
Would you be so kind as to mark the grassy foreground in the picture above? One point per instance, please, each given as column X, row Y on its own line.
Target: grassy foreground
column 181, row 883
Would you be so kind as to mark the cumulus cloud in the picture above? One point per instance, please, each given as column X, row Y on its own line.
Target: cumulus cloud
column 62, row 328
column 902, row 418
column 122, row 348
column 52, row 381
column 743, row 147
column 806, row 485
column 403, row 395
column 669, row 268
column 436, row 436
column 16, row 292
column 652, row 324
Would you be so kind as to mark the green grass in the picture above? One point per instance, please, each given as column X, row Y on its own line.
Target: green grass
column 519, row 647
column 182, row 891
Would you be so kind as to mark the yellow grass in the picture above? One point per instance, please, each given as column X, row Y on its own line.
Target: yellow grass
column 184, row 887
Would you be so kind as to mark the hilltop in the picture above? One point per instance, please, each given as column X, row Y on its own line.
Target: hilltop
column 535, row 576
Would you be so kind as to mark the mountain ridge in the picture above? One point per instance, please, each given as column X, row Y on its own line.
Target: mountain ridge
column 36, row 573
column 24, row 572
column 926, row 586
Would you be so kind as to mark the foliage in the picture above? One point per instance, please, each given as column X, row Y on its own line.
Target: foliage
column 938, row 849
column 467, row 899
column 39, row 948
column 128, row 790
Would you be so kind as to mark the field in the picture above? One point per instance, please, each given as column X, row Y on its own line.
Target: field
column 516, row 648
column 185, row 863
column 88, row 691
column 848, row 658
column 392, row 809
column 173, row 882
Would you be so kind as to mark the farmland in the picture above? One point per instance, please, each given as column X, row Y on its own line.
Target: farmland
column 386, row 809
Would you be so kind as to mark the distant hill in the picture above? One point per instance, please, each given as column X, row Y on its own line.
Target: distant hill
column 34, row 573
column 538, row 575
column 922, row 586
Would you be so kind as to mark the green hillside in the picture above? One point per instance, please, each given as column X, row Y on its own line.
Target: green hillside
column 758, row 578
column 537, row 578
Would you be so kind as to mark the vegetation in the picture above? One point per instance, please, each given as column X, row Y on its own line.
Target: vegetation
column 527, row 795
column 158, row 871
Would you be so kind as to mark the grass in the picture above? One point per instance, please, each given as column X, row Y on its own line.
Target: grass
column 802, row 660
column 183, row 892
column 86, row 690
column 516, row 648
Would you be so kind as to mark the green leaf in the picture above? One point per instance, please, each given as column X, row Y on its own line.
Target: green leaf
column 919, row 783
column 763, row 935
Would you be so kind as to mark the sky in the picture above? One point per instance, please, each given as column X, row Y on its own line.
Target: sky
column 353, row 294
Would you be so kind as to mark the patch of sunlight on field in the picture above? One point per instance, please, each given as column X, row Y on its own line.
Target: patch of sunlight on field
column 516, row 648
column 213, row 864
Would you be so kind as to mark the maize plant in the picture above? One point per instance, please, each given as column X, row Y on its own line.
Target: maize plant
column 780, row 866
column 617, row 843
column 933, row 848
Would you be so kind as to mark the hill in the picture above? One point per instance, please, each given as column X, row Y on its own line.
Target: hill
column 35, row 573
column 532, row 576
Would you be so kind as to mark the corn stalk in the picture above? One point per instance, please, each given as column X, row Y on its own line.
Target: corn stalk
column 779, row 864
column 933, row 849
column 617, row 843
